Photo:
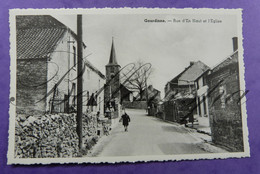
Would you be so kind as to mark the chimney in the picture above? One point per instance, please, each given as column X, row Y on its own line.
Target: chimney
column 235, row 44
column 192, row 62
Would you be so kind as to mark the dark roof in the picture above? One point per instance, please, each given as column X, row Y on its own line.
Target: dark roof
column 37, row 21
column 112, row 58
column 37, row 43
column 38, row 35
column 124, row 88
column 233, row 58
column 191, row 73
column 175, row 79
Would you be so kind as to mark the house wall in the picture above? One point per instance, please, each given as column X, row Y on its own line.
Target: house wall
column 62, row 59
column 224, row 108
column 202, row 101
column 135, row 104
column 31, row 86
column 92, row 83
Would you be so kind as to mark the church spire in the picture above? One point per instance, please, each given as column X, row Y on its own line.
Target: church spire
column 112, row 59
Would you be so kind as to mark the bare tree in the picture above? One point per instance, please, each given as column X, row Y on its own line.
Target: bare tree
column 139, row 77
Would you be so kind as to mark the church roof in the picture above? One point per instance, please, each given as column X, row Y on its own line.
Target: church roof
column 112, row 59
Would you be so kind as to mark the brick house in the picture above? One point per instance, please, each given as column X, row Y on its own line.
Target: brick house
column 224, row 106
column 46, row 65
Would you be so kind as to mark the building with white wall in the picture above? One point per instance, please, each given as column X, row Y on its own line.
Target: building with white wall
column 93, row 87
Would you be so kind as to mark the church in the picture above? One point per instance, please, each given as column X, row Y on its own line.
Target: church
column 114, row 92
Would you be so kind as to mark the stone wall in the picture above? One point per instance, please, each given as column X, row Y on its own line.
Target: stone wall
column 135, row 104
column 53, row 136
column 31, row 86
column 224, row 107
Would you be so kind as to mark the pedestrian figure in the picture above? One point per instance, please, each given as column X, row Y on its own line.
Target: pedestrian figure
column 126, row 119
column 105, row 129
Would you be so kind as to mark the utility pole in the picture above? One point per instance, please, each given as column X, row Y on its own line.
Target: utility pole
column 79, row 80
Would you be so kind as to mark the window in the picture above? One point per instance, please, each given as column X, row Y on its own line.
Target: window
column 204, row 106
column 204, row 81
column 199, row 106
column 87, row 95
column 198, row 87
column 74, row 56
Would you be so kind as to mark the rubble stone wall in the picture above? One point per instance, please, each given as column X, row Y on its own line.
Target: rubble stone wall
column 225, row 111
column 53, row 136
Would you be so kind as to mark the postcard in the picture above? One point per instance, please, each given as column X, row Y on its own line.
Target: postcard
column 126, row 85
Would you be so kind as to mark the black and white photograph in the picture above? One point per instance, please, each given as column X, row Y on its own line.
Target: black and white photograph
column 126, row 85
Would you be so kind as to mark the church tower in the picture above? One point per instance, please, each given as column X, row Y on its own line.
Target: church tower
column 112, row 88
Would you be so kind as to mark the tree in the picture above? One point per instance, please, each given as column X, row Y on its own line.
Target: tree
column 139, row 75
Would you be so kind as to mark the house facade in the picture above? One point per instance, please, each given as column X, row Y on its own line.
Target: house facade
column 47, row 69
column 202, row 106
column 180, row 92
column 46, row 65
column 93, row 89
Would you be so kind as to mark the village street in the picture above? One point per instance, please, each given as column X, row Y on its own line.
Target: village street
column 150, row 136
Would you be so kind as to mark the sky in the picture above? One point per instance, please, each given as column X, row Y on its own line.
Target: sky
column 168, row 46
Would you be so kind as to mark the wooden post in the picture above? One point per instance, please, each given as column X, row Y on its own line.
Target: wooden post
column 53, row 98
column 79, row 81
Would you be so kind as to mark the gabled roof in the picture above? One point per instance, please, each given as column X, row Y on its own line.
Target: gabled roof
column 233, row 58
column 190, row 74
column 37, row 43
column 93, row 68
column 124, row 89
column 112, row 58
column 38, row 35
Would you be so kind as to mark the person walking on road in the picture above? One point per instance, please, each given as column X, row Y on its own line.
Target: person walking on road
column 126, row 119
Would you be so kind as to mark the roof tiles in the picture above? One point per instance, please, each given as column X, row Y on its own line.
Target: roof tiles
column 37, row 42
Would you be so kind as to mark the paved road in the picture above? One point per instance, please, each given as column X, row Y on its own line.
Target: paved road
column 148, row 136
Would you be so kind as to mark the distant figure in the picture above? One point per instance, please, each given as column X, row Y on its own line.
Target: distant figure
column 126, row 119
column 105, row 129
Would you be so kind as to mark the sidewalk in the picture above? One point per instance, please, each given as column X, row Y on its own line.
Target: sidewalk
column 202, row 126
column 201, row 132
